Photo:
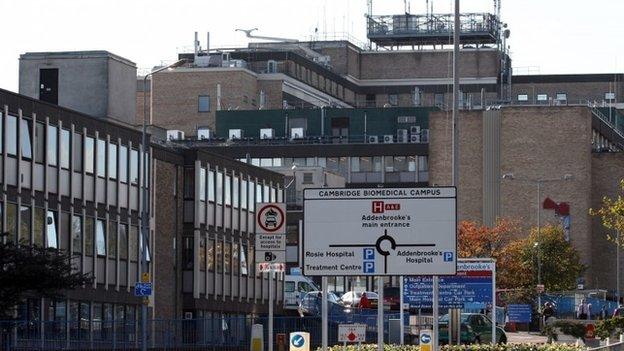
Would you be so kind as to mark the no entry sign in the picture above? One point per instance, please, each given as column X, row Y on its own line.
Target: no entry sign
column 271, row 218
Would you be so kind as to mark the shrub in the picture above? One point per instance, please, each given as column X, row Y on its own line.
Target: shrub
column 567, row 327
column 482, row 347
column 609, row 327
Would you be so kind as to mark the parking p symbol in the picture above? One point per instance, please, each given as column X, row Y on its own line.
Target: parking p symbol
column 369, row 267
column 369, row 253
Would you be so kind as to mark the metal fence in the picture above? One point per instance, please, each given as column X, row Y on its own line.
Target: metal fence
column 228, row 333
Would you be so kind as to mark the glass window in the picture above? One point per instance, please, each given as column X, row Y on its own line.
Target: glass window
column 112, row 161
column 65, row 233
column 258, row 192
column 51, row 235
column 112, row 239
column 11, row 213
column 11, row 135
column 40, row 145
column 134, row 166
column 542, row 97
column 219, row 188
column 393, row 99
column 65, row 142
column 77, row 152
column 202, row 253
column 219, row 256
column 377, row 164
column 210, row 254
column 266, row 162
column 243, row 259
column 243, row 194
column 202, row 184
column 187, row 253
column 123, row 241
column 189, row 182
column 322, row 162
column 252, row 196
column 89, row 154
column 411, row 164
column 610, row 96
column 266, row 194
column 123, row 163
column 523, row 97
column 227, row 257
column 438, row 99
column 250, row 259
column 25, row 141
column 52, row 145
column 562, row 96
column 308, row 178
column 211, row 186
column 355, row 164
column 133, row 242
column 24, row 230
column 38, row 232
column 76, row 236
column 88, row 234
column 203, row 103
column 228, row 190
column 422, row 163
column 365, row 164
column 148, row 257
column 400, row 164
column 277, row 162
column 101, row 158
column 255, row 162
column 235, row 261
column 273, row 195
column 235, row 192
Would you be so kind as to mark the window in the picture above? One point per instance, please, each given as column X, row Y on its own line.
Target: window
column 308, row 178
column 250, row 258
column 101, row 158
column 146, row 247
column 219, row 255
column 11, row 213
column 438, row 99
column 134, row 166
column 25, row 141
column 65, row 233
column 542, row 97
column 123, row 163
column 273, row 195
column 243, row 194
column 76, row 236
column 227, row 257
column 266, row 194
column 39, row 142
column 219, row 188
column 202, row 184
column 203, row 103
column 88, row 233
column 211, row 186
column 187, row 253
column 89, row 154
column 65, row 142
column 609, row 96
column 112, row 239
column 210, row 254
column 228, row 190
column 202, row 253
column 123, row 241
column 11, row 135
column 243, row 259
column 112, row 161
column 393, row 99
column 38, row 232
column 24, row 230
column 52, row 145
column 77, row 152
column 252, row 196
column 235, row 261
column 258, row 192
column 189, row 182
column 51, row 238
column 562, row 96
column 133, row 242
column 235, row 192
column 523, row 97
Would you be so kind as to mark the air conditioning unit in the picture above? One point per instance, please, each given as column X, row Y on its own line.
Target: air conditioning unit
column 424, row 138
column 414, row 130
column 373, row 139
column 267, row 133
column 175, row 134
column 204, row 134
column 271, row 66
column 296, row 133
column 402, row 136
column 414, row 138
column 234, row 134
column 388, row 138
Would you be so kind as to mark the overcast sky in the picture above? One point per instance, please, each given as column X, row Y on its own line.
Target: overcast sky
column 554, row 36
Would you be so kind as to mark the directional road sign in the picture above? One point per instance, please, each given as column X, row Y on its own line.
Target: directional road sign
column 143, row 289
column 372, row 231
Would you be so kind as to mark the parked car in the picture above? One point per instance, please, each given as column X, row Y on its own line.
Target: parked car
column 475, row 328
column 392, row 298
column 353, row 298
column 311, row 305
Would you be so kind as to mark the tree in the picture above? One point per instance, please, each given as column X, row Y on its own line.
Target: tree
column 482, row 241
column 34, row 271
column 612, row 215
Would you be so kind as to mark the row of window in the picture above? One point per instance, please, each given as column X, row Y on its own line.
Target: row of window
column 220, row 255
column 88, row 235
column 112, row 158
column 358, row 164
column 609, row 96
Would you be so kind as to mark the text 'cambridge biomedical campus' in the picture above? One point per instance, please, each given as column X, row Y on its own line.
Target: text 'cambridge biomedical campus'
column 304, row 190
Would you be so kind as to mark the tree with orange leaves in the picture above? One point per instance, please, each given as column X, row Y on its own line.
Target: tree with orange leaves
column 482, row 241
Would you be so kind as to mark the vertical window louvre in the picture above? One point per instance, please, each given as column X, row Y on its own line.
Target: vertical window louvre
column 101, row 158
column 133, row 243
column 25, row 141
column 11, row 135
column 52, row 145
column 77, row 145
column 112, row 239
column 211, row 186
column 134, row 166
column 219, row 188
column 89, row 154
column 88, row 233
column 24, row 230
column 252, row 196
column 228, row 190
column 40, row 145
column 202, row 184
column 123, row 241
column 38, row 232
column 243, row 194
column 235, row 191
column 51, row 233
column 65, row 142
column 123, row 164
column 112, row 161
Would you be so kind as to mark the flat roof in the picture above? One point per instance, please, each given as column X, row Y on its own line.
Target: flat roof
column 75, row 55
column 568, row 78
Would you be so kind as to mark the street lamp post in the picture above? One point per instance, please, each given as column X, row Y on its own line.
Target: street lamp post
column 143, row 193
column 538, row 182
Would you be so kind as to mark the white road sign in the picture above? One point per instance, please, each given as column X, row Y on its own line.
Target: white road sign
column 380, row 231
column 271, row 218
column 351, row 332
column 271, row 242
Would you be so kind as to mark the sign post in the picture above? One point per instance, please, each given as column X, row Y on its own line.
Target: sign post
column 271, row 248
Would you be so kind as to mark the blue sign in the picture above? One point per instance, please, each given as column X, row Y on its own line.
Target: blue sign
column 297, row 340
column 519, row 313
column 369, row 260
column 448, row 257
column 471, row 291
column 425, row 338
column 142, row 289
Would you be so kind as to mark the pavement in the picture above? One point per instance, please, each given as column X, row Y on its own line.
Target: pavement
column 525, row 338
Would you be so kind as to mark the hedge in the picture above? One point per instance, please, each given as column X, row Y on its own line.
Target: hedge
column 476, row 347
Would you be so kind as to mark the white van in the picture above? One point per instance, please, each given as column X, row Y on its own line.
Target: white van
column 295, row 287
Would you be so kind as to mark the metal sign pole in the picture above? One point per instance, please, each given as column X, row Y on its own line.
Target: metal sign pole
column 380, row 310
column 402, row 328
column 324, row 318
column 271, row 293
column 494, row 340
column 435, row 312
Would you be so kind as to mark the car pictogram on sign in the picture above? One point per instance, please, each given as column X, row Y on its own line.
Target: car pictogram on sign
column 270, row 218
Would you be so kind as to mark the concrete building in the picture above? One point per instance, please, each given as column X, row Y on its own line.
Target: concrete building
column 97, row 83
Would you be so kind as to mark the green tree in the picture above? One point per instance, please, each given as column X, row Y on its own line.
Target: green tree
column 34, row 271
column 611, row 214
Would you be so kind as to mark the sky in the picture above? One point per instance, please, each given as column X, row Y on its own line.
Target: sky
column 547, row 36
